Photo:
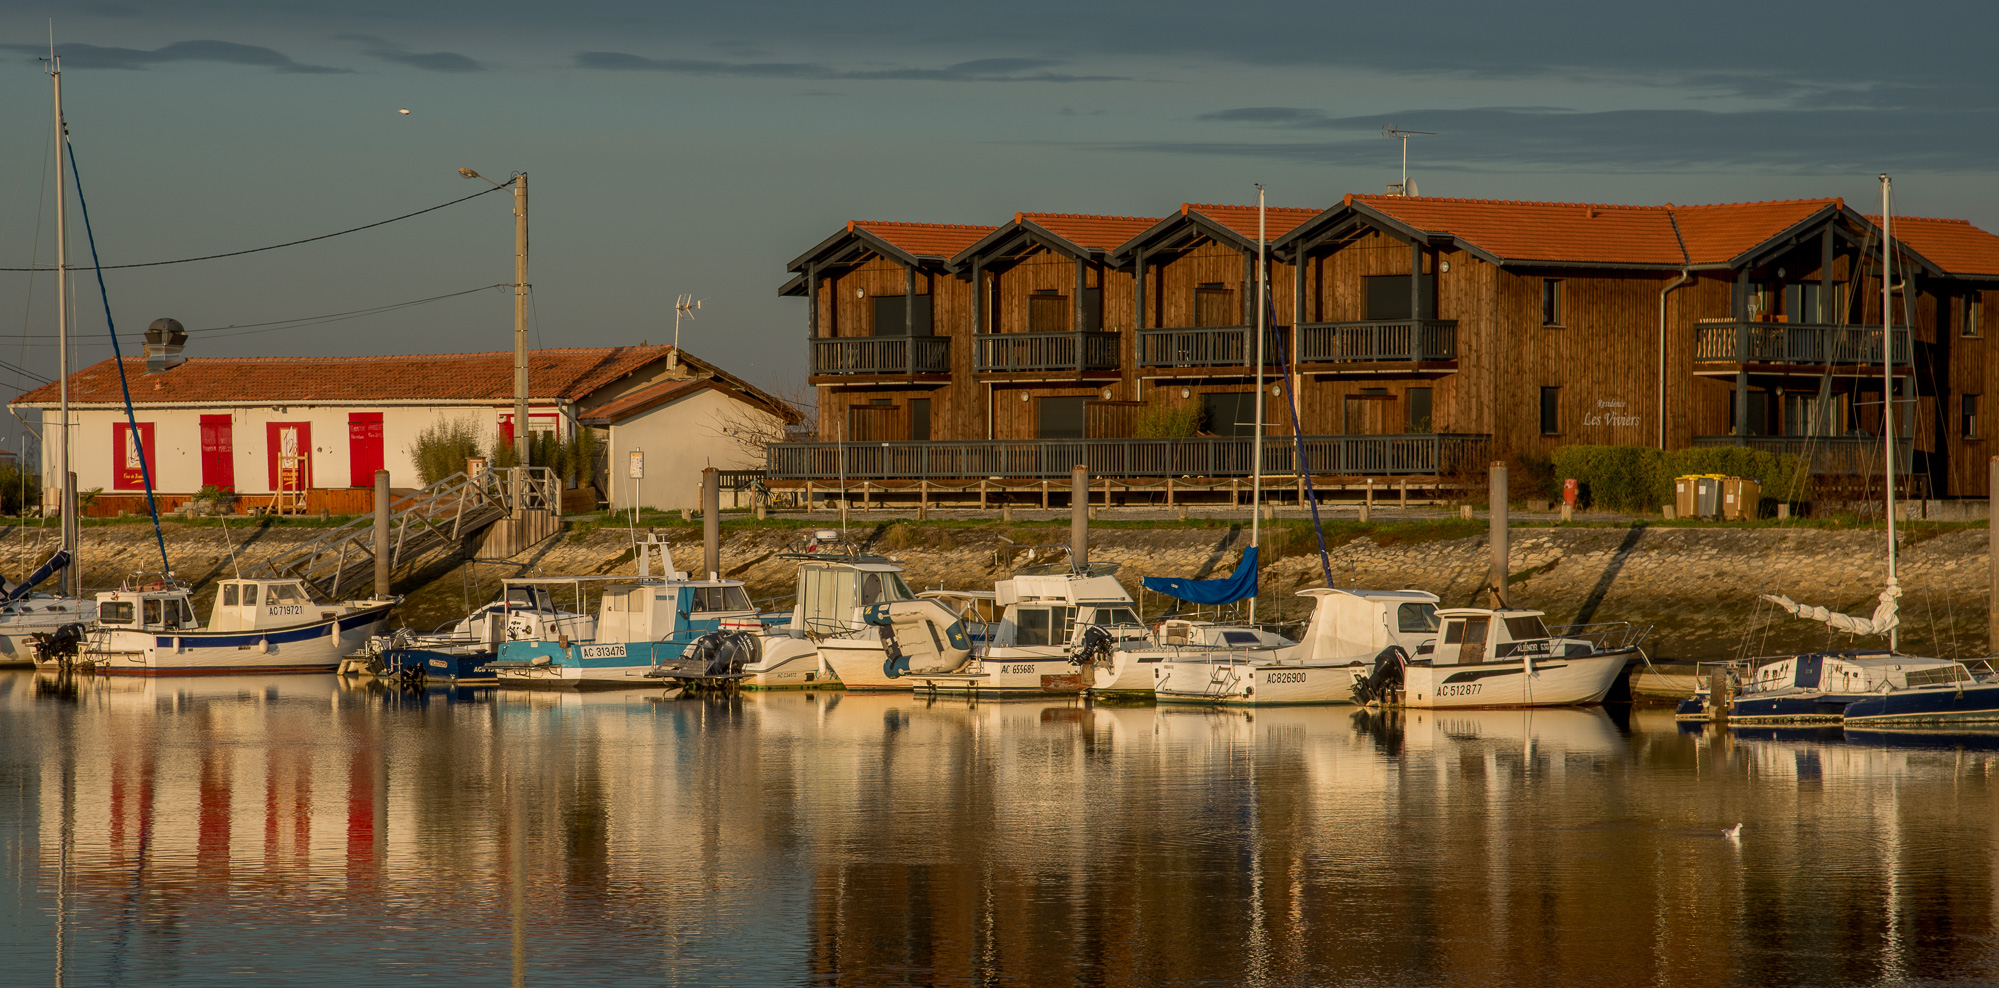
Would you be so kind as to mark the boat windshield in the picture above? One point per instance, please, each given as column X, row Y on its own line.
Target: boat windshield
column 721, row 599
column 1416, row 619
column 1526, row 628
column 882, row 588
column 284, row 593
column 1111, row 617
column 531, row 598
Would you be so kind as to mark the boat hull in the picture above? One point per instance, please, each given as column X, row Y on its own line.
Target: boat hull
column 1256, row 684
column 1020, row 675
column 315, row 647
column 857, row 663
column 788, row 664
column 1798, row 708
column 440, row 666
column 1553, row 682
column 552, row 665
column 1926, row 706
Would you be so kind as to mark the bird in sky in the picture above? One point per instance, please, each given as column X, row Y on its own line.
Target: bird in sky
column 405, row 111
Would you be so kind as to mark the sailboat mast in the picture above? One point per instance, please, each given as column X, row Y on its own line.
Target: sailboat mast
column 1888, row 384
column 1256, row 444
column 69, row 529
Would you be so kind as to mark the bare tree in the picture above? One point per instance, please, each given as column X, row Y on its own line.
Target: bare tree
column 750, row 428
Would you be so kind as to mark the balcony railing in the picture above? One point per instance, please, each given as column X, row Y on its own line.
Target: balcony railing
column 1091, row 351
column 882, row 355
column 1207, row 346
column 1794, row 343
column 1378, row 342
column 1121, row 458
column 1825, row 456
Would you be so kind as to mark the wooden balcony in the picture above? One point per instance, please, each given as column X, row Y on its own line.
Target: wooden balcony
column 1326, row 456
column 881, row 356
column 1207, row 346
column 1825, row 456
column 1798, row 344
column 1047, row 352
column 1393, row 341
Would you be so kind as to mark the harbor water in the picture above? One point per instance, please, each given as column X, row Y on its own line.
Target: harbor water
column 292, row 830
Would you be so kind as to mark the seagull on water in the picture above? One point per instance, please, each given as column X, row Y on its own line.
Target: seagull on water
column 1733, row 833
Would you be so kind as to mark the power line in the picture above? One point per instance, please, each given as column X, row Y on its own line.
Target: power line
column 298, row 322
column 255, row 250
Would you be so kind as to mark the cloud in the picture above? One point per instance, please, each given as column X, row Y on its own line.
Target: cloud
column 138, row 59
column 976, row 70
column 1795, row 141
column 428, row 61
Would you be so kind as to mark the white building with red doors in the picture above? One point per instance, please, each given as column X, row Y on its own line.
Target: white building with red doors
column 324, row 425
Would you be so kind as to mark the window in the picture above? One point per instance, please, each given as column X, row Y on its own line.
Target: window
column 153, row 612
column 1968, row 416
column 893, row 318
column 1419, row 412
column 1215, row 305
column 1247, row 638
column 1551, row 301
column 1386, row 296
column 229, row 595
column 1974, row 306
column 284, row 593
column 119, row 612
column 919, row 419
column 1061, row 417
column 1113, row 616
column 1454, row 632
column 1416, row 619
column 722, row 599
column 1551, row 411
column 1048, row 312
column 1230, row 413
column 1526, row 628
column 1031, row 626
column 249, row 595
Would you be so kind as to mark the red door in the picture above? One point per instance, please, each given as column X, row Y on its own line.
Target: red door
column 128, row 469
column 364, row 447
column 218, row 453
column 289, row 453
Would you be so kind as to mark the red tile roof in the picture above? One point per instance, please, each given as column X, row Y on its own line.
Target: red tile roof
column 940, row 240
column 1106, row 233
column 1720, row 233
column 1953, row 245
column 650, row 396
column 1575, row 232
column 451, row 377
column 1278, row 220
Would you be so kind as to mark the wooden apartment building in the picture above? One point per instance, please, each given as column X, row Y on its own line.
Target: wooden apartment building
column 1418, row 336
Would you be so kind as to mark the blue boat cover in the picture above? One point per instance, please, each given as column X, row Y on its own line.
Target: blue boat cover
column 56, row 562
column 1239, row 585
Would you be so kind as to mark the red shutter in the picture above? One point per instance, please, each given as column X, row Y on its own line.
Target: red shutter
column 364, row 447
column 289, row 446
column 218, row 453
column 126, row 472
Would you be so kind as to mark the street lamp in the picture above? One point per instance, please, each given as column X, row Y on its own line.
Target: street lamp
column 520, row 184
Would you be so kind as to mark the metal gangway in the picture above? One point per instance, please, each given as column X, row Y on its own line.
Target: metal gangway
column 422, row 524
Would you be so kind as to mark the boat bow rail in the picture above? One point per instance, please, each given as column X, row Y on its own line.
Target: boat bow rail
column 434, row 519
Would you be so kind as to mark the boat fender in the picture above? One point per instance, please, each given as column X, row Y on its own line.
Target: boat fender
column 1386, row 677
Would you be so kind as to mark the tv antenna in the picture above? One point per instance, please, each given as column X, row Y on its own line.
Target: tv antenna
column 685, row 305
column 1404, row 188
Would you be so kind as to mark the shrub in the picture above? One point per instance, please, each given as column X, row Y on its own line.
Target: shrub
column 20, row 489
column 1639, row 478
column 442, row 449
column 1170, row 422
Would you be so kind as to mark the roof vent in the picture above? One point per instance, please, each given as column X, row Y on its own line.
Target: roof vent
column 164, row 340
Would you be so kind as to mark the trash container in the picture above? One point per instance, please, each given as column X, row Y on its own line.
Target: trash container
column 1683, row 496
column 1740, row 498
column 1707, row 495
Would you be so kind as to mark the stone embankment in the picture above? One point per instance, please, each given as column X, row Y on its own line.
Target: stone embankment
column 1698, row 587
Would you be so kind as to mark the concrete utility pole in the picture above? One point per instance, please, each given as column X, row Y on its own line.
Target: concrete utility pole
column 711, row 523
column 520, row 183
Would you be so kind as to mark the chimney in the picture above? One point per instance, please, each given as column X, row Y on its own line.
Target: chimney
column 164, row 340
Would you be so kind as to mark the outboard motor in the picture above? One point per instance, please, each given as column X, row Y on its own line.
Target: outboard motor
column 722, row 654
column 59, row 646
column 1094, row 649
column 1387, row 677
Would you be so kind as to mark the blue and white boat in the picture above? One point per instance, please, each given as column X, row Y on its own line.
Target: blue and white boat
column 1823, row 687
column 641, row 622
column 254, row 626
column 462, row 652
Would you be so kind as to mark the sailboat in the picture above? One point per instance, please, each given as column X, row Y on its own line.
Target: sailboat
column 1870, row 685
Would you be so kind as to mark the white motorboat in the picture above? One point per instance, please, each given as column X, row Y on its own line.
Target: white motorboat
column 1349, row 632
column 265, row 626
column 1184, row 636
column 1507, row 658
column 1057, row 632
column 23, row 618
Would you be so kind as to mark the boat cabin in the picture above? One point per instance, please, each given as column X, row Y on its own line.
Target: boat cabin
column 1473, row 635
column 1053, row 609
column 152, row 609
column 834, row 590
column 248, row 605
column 1854, row 672
column 674, row 611
column 1208, row 634
column 1360, row 623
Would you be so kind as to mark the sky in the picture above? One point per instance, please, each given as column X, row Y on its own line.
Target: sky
column 698, row 148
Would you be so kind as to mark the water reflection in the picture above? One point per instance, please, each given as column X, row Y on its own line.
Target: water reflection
column 287, row 828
